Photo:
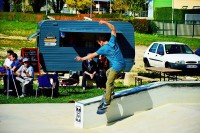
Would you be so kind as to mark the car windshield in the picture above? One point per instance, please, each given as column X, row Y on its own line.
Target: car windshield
column 177, row 49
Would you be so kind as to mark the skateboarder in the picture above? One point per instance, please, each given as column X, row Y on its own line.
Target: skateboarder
column 111, row 50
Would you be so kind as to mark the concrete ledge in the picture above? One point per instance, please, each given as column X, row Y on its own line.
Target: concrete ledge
column 134, row 100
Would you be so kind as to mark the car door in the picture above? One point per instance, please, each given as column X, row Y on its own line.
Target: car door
column 152, row 54
column 159, row 56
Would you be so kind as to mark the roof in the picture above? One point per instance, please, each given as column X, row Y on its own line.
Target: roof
column 87, row 30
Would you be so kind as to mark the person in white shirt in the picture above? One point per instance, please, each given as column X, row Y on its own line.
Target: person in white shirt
column 7, row 63
column 25, row 75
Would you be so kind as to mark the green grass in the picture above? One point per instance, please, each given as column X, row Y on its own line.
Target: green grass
column 15, row 28
column 64, row 97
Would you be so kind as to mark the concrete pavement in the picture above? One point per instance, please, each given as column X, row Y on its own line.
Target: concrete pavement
column 59, row 118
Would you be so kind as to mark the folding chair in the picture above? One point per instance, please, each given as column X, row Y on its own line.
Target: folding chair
column 45, row 84
column 70, row 83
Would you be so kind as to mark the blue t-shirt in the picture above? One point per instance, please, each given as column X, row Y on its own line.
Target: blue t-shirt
column 113, row 53
column 16, row 64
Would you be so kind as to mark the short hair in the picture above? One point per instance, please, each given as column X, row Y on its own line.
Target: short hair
column 101, row 38
column 10, row 51
column 14, row 55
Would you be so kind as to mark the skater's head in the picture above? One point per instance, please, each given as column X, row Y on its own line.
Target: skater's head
column 101, row 40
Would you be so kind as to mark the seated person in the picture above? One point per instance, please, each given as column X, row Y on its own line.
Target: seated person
column 15, row 62
column 25, row 75
column 89, row 68
column 13, row 68
column 103, row 65
column 6, row 65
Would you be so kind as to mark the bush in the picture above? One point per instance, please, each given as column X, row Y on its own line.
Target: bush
column 140, row 25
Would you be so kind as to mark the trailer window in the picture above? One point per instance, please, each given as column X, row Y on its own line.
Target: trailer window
column 77, row 39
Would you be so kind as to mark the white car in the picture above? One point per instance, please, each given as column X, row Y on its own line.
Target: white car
column 171, row 55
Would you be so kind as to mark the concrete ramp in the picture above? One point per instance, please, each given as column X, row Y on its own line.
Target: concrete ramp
column 134, row 100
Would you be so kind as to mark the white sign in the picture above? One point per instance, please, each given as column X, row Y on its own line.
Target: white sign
column 78, row 115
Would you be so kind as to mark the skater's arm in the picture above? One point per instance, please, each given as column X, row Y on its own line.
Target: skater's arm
column 89, row 56
column 112, row 27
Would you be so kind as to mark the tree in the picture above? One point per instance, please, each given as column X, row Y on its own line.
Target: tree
column 37, row 4
column 136, row 6
column 120, row 5
column 17, row 5
column 58, row 5
column 80, row 5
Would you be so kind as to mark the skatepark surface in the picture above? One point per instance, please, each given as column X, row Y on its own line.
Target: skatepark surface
column 59, row 118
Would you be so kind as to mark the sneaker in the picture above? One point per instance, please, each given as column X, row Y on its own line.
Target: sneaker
column 83, row 88
column 22, row 95
column 103, row 106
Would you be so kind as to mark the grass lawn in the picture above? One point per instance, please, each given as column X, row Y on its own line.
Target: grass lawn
column 25, row 29
column 64, row 96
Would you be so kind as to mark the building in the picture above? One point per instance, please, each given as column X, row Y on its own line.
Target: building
column 175, row 4
column 102, row 6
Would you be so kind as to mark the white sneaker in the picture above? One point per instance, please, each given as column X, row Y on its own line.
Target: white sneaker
column 83, row 88
column 22, row 95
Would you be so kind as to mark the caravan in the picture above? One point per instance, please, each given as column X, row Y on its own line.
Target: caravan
column 59, row 42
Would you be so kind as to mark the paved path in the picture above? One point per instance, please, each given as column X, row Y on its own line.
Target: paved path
column 59, row 118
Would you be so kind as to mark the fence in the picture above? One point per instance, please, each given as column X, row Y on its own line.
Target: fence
column 178, row 28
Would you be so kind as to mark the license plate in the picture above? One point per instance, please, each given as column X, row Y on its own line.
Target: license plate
column 191, row 66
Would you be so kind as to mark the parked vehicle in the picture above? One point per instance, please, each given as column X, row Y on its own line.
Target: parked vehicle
column 197, row 52
column 59, row 42
column 171, row 55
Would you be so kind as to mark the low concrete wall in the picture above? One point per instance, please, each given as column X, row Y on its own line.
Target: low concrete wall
column 134, row 100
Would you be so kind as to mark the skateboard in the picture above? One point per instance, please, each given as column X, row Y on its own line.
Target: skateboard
column 102, row 111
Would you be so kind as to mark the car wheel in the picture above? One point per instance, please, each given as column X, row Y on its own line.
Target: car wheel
column 146, row 63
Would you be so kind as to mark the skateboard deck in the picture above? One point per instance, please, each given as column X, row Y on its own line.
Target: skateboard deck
column 101, row 111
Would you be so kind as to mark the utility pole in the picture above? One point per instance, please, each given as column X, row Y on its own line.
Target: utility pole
column 46, row 7
column 91, row 9
column 172, row 11
column 110, row 7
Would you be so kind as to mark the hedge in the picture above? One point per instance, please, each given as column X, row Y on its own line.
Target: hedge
column 140, row 25
column 165, row 13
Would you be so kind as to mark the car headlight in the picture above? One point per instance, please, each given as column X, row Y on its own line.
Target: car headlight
column 180, row 62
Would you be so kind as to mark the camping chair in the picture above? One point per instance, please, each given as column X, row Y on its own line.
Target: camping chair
column 45, row 84
column 70, row 83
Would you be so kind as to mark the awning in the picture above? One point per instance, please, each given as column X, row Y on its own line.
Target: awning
column 87, row 30
column 33, row 35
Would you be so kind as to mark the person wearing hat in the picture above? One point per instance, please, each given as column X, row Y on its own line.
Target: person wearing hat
column 25, row 75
